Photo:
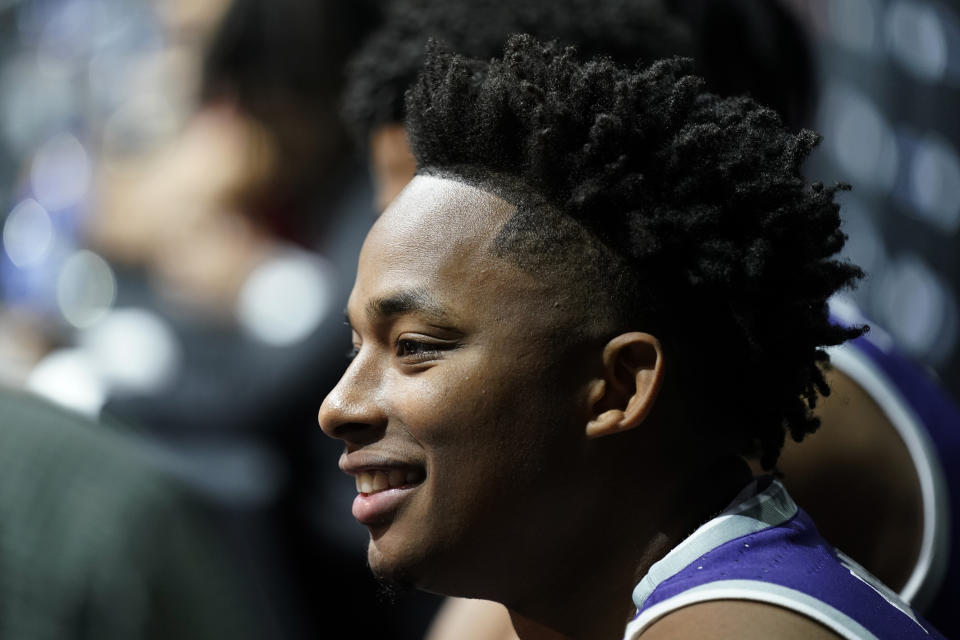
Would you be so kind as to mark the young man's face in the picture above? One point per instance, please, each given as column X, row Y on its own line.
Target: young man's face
column 461, row 399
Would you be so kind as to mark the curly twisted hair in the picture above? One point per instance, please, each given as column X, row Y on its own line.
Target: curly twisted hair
column 710, row 237
column 389, row 61
column 740, row 46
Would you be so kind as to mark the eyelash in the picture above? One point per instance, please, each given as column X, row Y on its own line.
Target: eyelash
column 418, row 350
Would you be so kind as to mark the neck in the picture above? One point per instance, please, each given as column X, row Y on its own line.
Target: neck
column 589, row 594
column 591, row 603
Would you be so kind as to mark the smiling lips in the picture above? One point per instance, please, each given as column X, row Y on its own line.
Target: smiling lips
column 381, row 492
column 377, row 480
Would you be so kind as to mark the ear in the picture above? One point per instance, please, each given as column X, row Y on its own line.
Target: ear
column 632, row 375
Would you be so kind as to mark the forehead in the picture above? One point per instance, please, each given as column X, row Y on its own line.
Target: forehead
column 435, row 208
column 437, row 237
column 435, row 224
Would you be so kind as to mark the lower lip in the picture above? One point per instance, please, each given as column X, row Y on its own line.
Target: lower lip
column 374, row 508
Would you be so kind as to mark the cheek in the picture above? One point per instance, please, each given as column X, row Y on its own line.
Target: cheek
column 482, row 418
column 450, row 407
column 458, row 411
column 493, row 426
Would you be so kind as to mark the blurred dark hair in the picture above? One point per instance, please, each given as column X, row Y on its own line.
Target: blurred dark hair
column 282, row 62
column 626, row 30
column 754, row 48
column 740, row 46
column 292, row 50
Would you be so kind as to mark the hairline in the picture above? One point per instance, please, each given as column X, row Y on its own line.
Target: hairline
column 531, row 205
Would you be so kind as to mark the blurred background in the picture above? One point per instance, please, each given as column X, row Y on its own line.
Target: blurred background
column 182, row 212
column 889, row 78
column 115, row 157
column 181, row 208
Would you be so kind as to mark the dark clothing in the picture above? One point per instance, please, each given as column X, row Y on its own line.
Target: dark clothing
column 96, row 543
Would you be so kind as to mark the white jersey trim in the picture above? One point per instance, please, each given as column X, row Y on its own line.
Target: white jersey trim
column 748, row 513
column 756, row 591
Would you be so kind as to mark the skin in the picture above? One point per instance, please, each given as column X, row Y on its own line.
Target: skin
column 472, row 620
column 435, row 386
column 858, row 448
column 526, row 445
column 482, row 620
column 738, row 619
column 854, row 434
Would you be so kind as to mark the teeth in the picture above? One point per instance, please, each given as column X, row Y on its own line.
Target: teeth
column 375, row 481
column 365, row 480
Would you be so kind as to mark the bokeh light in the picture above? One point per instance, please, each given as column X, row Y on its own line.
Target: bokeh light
column 134, row 350
column 69, row 378
column 27, row 234
column 918, row 308
column 85, row 289
column 60, row 175
column 916, row 39
column 859, row 137
column 865, row 246
column 934, row 183
column 33, row 104
column 285, row 299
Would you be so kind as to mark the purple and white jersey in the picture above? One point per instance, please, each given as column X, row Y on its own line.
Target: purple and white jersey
column 928, row 422
column 763, row 548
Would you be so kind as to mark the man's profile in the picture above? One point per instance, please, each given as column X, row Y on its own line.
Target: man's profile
column 602, row 290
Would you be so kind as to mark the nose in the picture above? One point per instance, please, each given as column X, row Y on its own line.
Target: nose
column 352, row 411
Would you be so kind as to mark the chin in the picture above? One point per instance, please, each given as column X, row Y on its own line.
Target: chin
column 390, row 566
column 407, row 566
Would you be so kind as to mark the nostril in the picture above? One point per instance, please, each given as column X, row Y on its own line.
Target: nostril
column 347, row 422
column 357, row 433
column 350, row 411
column 334, row 416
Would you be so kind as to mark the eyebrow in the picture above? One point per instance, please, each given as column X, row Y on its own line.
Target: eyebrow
column 415, row 301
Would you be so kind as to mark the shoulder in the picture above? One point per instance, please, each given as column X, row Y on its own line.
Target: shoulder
column 468, row 619
column 736, row 619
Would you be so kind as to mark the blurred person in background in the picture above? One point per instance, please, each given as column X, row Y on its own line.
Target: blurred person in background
column 274, row 203
column 231, row 240
column 889, row 429
column 97, row 542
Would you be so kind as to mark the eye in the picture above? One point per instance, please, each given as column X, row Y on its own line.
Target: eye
column 408, row 347
column 416, row 351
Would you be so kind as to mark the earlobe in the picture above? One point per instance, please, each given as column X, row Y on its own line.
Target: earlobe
column 633, row 373
column 604, row 424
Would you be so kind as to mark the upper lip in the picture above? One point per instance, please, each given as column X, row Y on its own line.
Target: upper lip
column 354, row 463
